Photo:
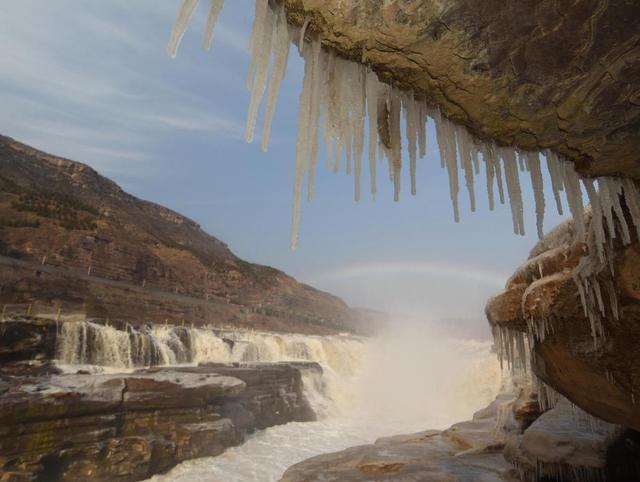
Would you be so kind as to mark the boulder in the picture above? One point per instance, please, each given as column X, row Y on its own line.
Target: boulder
column 567, row 444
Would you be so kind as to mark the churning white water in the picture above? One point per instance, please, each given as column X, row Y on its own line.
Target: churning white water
column 409, row 380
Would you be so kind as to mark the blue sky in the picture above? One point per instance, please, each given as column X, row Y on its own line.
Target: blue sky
column 90, row 81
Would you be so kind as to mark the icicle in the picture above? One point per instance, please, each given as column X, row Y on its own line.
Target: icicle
column 409, row 105
column 358, row 109
column 372, row 94
column 533, row 163
column 490, row 174
column 314, row 113
column 303, row 32
column 212, row 19
column 508, row 156
column 611, row 190
column 396, row 141
column 597, row 226
column 553, row 166
column 184, row 15
column 446, row 141
column 255, row 47
column 605, row 198
column 499, row 181
column 422, row 128
column 466, row 159
column 342, row 93
column 574, row 196
column 263, row 52
column 302, row 149
column 281, row 44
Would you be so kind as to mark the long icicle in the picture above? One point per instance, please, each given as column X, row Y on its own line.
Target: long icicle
column 314, row 113
column 212, row 19
column 302, row 150
column 184, row 15
column 281, row 46
column 553, row 165
column 533, row 162
column 372, row 94
column 256, row 37
column 512, row 176
column 263, row 53
column 359, row 110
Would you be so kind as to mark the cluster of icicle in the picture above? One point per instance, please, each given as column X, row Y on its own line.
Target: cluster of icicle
column 350, row 105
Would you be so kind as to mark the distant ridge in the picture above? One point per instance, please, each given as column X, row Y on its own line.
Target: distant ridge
column 63, row 213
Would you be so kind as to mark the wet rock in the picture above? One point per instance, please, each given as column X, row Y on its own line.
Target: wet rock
column 27, row 339
column 127, row 427
column 567, row 443
column 466, row 452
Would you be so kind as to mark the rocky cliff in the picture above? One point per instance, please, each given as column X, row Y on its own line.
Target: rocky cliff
column 73, row 239
column 532, row 73
column 542, row 302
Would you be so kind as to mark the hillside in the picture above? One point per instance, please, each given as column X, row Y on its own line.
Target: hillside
column 85, row 244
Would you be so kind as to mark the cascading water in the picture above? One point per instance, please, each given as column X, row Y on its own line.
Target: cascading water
column 369, row 387
column 104, row 348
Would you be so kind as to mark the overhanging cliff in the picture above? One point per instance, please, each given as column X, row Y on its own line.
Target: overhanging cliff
column 533, row 73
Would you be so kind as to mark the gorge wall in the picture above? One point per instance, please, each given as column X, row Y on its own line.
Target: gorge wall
column 74, row 240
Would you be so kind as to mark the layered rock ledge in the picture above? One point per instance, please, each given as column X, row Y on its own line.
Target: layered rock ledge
column 600, row 375
column 127, row 427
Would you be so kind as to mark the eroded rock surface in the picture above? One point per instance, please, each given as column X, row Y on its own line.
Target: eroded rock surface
column 603, row 377
column 466, row 452
column 534, row 73
column 563, row 442
column 128, row 427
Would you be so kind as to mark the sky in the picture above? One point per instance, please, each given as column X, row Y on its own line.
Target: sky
column 90, row 80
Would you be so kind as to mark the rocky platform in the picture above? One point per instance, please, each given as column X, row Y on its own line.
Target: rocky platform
column 127, row 427
column 508, row 441
column 468, row 451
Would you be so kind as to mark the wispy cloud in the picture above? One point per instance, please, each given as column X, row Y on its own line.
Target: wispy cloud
column 90, row 79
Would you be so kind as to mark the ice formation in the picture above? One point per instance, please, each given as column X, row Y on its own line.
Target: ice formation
column 341, row 98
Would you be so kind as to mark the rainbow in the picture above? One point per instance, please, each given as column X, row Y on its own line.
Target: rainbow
column 432, row 268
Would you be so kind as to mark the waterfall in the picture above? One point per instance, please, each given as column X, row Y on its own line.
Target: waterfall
column 99, row 347
column 88, row 343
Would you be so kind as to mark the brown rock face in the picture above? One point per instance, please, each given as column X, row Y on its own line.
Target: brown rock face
column 130, row 426
column 72, row 238
column 534, row 73
column 601, row 378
